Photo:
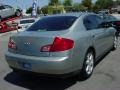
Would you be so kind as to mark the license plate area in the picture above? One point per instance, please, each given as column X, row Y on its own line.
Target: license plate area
column 25, row 66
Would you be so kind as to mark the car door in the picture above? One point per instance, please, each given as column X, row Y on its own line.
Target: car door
column 110, row 33
column 98, row 33
column 9, row 11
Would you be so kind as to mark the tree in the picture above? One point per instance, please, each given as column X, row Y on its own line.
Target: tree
column 76, row 7
column 87, row 4
column 118, row 2
column 44, row 10
column 38, row 10
column 95, row 8
column 67, row 2
column 83, row 8
column 104, row 4
column 29, row 10
column 79, row 7
column 54, row 2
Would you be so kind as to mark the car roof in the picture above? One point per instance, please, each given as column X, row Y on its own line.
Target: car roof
column 75, row 14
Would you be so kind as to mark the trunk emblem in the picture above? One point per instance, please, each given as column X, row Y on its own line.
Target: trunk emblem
column 27, row 43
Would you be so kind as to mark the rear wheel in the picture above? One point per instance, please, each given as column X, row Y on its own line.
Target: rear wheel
column 115, row 45
column 88, row 64
column 18, row 13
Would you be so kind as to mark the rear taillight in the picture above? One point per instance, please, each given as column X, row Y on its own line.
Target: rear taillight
column 11, row 44
column 59, row 44
column 117, row 23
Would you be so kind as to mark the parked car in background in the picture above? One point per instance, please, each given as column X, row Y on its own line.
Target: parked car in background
column 63, row 44
column 113, row 21
column 25, row 23
column 9, row 25
column 7, row 11
column 118, row 9
column 105, row 11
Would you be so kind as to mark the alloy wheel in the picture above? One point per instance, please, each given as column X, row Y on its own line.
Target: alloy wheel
column 89, row 64
column 115, row 42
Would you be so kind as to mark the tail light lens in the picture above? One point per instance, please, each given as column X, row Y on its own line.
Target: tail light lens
column 11, row 44
column 59, row 44
column 118, row 23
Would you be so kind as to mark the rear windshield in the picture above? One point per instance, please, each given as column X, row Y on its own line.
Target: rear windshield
column 27, row 21
column 55, row 23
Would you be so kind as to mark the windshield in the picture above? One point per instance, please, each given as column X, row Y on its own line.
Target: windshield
column 55, row 23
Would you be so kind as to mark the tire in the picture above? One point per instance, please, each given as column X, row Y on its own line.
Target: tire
column 115, row 44
column 18, row 13
column 88, row 65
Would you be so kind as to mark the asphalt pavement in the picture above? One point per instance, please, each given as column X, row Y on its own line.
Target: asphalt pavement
column 106, row 75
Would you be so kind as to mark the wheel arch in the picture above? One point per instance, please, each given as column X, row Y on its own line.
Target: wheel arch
column 91, row 48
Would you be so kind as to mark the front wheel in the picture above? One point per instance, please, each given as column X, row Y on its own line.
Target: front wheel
column 88, row 65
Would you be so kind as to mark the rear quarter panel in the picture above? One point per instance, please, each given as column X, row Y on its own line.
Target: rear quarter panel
column 82, row 41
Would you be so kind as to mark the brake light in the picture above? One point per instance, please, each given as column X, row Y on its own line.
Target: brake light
column 118, row 23
column 11, row 44
column 59, row 44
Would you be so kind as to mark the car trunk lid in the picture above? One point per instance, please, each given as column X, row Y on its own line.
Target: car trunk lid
column 30, row 43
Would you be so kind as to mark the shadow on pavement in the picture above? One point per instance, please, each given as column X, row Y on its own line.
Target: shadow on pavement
column 40, row 83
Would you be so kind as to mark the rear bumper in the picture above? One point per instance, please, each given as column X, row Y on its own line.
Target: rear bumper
column 66, row 75
column 44, row 65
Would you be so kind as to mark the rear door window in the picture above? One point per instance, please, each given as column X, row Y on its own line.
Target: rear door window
column 92, row 22
column 55, row 23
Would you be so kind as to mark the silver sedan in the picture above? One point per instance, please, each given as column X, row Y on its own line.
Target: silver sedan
column 63, row 44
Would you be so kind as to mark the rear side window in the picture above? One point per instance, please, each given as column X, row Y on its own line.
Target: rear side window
column 92, row 22
column 55, row 23
column 7, row 7
column 26, row 21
